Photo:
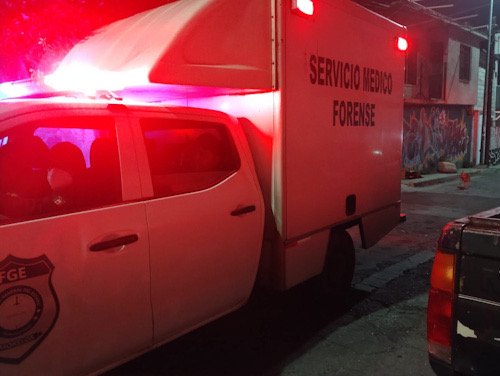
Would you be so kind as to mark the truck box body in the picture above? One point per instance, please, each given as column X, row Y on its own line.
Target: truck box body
column 127, row 223
column 320, row 98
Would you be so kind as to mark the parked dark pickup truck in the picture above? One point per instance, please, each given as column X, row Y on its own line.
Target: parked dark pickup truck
column 463, row 314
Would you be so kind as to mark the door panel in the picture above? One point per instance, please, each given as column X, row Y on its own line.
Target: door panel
column 104, row 309
column 65, row 308
column 205, row 223
column 203, row 260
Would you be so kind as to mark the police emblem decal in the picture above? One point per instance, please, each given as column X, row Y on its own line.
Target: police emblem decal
column 28, row 306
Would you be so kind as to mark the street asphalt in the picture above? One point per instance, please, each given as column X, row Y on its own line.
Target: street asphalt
column 379, row 328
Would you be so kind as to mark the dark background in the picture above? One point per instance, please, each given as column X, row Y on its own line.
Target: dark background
column 36, row 34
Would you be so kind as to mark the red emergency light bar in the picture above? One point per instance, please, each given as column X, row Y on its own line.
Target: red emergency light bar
column 303, row 6
column 402, row 44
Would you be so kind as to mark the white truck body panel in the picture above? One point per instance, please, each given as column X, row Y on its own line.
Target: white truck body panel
column 349, row 159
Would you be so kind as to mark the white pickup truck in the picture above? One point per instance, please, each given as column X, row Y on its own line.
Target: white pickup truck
column 264, row 130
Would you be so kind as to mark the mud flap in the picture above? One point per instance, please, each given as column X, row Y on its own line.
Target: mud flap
column 374, row 226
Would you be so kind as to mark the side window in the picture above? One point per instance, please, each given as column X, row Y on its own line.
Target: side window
column 464, row 67
column 411, row 64
column 187, row 156
column 56, row 166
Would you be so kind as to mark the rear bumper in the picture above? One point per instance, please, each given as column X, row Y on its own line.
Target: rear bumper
column 440, row 368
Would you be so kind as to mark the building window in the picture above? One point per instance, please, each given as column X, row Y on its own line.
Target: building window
column 436, row 70
column 411, row 65
column 464, row 73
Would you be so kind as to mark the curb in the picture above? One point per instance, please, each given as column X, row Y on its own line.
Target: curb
column 436, row 179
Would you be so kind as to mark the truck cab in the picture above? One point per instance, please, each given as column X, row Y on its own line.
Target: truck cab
column 122, row 227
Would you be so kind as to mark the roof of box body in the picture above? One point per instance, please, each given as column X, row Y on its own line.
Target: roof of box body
column 186, row 42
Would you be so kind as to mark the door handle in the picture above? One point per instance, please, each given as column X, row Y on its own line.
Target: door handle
column 243, row 210
column 112, row 243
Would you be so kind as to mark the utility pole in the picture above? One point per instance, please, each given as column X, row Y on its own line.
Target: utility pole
column 488, row 93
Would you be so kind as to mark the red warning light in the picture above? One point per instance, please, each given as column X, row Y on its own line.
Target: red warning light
column 402, row 44
column 303, row 6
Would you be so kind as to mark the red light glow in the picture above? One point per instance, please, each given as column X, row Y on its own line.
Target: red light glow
column 402, row 44
column 87, row 79
column 15, row 89
column 303, row 6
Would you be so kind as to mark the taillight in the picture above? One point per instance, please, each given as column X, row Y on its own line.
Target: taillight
column 440, row 306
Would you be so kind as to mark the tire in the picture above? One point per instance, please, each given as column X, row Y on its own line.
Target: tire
column 338, row 271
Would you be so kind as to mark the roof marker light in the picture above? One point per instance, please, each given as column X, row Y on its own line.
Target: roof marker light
column 402, row 44
column 15, row 89
column 89, row 80
column 303, row 6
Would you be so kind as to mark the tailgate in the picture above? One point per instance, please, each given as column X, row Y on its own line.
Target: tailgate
column 477, row 311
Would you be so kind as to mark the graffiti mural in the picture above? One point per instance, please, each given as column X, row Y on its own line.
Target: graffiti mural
column 495, row 143
column 434, row 133
column 495, row 156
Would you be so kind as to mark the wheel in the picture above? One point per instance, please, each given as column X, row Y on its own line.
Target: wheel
column 338, row 270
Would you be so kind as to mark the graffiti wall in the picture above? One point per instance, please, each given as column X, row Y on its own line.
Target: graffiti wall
column 435, row 133
column 495, row 143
